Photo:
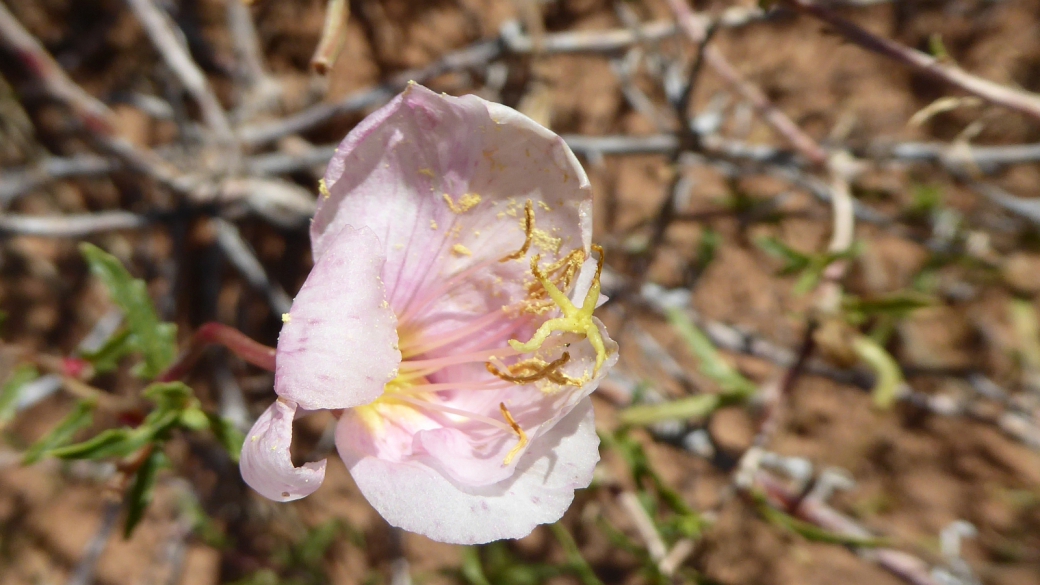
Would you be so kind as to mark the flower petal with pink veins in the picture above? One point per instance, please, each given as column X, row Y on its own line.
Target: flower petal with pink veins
column 419, row 499
column 443, row 182
column 338, row 346
column 265, row 462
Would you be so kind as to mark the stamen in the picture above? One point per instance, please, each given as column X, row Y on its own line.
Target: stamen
column 475, row 326
column 574, row 320
column 413, row 307
column 475, row 386
column 449, row 410
column 516, row 429
column 541, row 370
column 528, row 233
column 451, row 360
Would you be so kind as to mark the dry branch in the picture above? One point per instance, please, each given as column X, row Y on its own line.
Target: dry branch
column 70, row 226
column 1015, row 99
column 171, row 46
column 696, row 30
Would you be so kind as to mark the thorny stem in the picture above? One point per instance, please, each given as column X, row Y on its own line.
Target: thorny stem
column 249, row 350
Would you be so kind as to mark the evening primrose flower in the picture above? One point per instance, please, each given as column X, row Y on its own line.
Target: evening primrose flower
column 448, row 320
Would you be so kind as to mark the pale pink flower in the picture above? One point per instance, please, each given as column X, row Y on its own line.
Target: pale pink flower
column 446, row 231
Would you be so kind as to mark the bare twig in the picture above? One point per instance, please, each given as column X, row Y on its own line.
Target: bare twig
column 95, row 115
column 901, row 564
column 89, row 111
column 170, row 43
column 84, row 573
column 71, row 226
column 644, row 525
column 18, row 182
column 696, row 30
column 1015, row 99
column 333, row 34
column 241, row 256
column 259, row 134
column 262, row 91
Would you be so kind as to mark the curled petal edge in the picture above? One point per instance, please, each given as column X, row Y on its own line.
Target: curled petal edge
column 266, row 464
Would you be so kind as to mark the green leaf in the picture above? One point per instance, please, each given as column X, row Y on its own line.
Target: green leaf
column 81, row 417
column 1026, row 325
column 125, row 441
column 154, row 340
column 170, row 395
column 140, row 493
column 106, row 358
column 810, row 531
column 794, row 261
column 889, row 375
column 809, row 267
column 926, row 200
column 472, row 570
column 110, row 443
column 194, row 419
column 12, row 389
column 577, row 563
column 686, row 521
column 694, row 407
column 937, row 48
column 709, row 361
column 707, row 247
column 228, row 436
column 897, row 305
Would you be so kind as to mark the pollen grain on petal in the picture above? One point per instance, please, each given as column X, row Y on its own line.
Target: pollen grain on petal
column 286, row 318
column 465, row 202
column 460, row 250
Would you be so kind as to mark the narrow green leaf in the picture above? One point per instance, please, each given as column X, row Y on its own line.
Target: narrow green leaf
column 577, row 562
column 889, row 375
column 109, row 443
column 707, row 247
column 794, row 261
column 170, row 395
column 228, row 436
column 106, row 358
column 897, row 304
column 194, row 419
column 140, row 493
column 80, row 418
column 810, row 531
column 153, row 339
column 709, row 361
column 1026, row 325
column 472, row 570
column 937, row 48
column 12, row 389
column 694, row 407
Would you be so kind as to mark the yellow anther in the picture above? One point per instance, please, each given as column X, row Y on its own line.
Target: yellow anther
column 516, row 429
column 539, row 370
column 574, row 320
column 528, row 233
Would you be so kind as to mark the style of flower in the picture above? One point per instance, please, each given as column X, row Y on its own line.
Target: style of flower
column 448, row 232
